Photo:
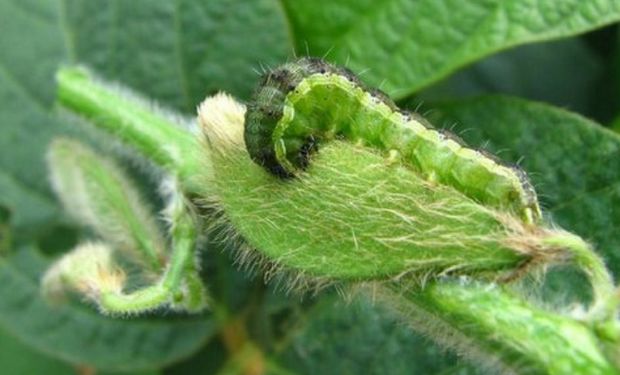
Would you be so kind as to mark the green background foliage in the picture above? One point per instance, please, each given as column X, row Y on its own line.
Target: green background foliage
column 441, row 53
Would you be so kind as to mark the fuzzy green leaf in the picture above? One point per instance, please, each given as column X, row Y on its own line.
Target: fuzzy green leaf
column 569, row 86
column 410, row 44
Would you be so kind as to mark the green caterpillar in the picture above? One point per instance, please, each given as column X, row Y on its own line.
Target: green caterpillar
column 301, row 104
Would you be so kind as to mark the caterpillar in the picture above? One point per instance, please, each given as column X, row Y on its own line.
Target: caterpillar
column 301, row 104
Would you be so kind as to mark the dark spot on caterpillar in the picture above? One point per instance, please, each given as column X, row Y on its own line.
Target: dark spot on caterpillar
column 315, row 65
column 279, row 75
column 384, row 98
column 350, row 76
column 282, row 79
column 271, row 112
column 406, row 115
column 409, row 116
column 310, row 146
column 279, row 171
column 380, row 95
column 266, row 160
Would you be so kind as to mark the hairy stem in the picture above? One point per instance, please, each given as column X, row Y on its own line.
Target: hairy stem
column 179, row 284
column 134, row 122
column 181, row 277
column 145, row 299
column 499, row 328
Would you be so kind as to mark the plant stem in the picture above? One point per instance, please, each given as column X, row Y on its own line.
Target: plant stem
column 180, row 262
column 136, row 302
column 500, row 329
column 133, row 121
column 181, row 272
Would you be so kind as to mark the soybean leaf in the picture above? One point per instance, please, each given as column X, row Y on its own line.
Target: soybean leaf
column 410, row 44
column 178, row 51
column 572, row 86
column 26, row 91
column 17, row 358
column 32, row 209
column 358, row 338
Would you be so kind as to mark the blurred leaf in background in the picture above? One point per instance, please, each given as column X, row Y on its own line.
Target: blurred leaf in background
column 177, row 52
column 412, row 44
